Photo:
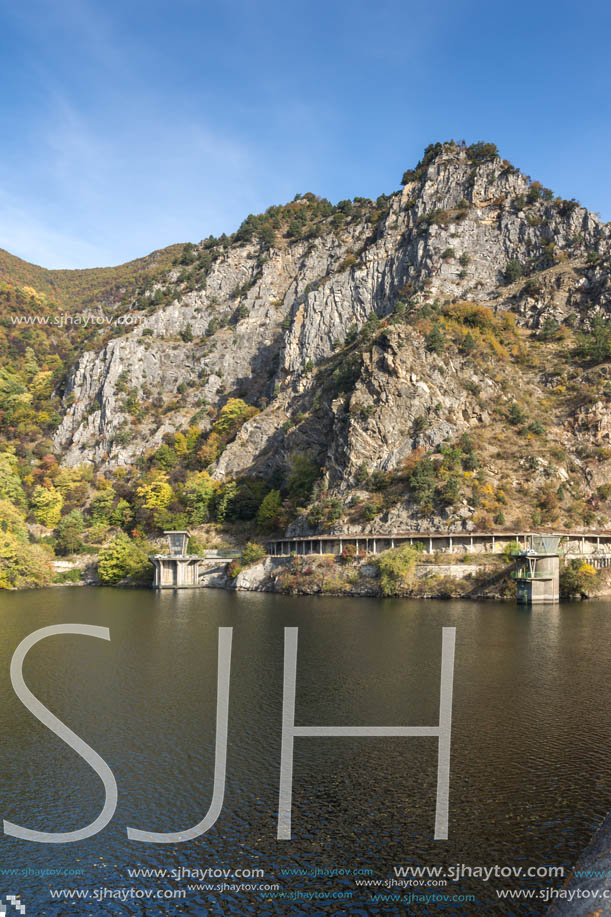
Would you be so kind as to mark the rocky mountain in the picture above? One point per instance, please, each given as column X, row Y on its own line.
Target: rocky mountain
column 439, row 356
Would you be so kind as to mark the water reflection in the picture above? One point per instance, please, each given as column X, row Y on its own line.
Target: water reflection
column 530, row 753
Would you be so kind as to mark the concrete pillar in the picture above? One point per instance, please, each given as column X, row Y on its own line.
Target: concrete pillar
column 450, row 544
column 374, row 546
column 392, row 543
column 430, row 545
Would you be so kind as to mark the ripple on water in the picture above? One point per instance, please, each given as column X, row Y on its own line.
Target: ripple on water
column 530, row 746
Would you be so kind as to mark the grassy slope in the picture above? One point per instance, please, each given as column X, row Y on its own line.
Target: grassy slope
column 73, row 289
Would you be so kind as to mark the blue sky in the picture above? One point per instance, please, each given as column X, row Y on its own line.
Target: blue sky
column 126, row 126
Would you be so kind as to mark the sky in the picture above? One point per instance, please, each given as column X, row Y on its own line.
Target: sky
column 127, row 126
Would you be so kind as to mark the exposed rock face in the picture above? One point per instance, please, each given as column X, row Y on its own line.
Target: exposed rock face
column 451, row 234
column 401, row 384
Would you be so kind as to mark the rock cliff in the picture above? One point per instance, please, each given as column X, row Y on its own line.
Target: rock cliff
column 355, row 330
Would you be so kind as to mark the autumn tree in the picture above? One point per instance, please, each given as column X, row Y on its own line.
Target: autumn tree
column 23, row 566
column 123, row 558
column 47, row 505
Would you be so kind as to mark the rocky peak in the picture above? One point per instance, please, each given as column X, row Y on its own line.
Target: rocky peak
column 286, row 314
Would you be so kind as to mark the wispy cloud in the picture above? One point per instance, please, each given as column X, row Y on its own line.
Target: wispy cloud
column 130, row 126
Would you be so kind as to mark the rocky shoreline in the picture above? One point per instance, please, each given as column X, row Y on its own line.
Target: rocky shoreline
column 323, row 576
column 434, row 577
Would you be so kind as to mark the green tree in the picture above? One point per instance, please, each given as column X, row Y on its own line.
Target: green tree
column 513, row 271
column 227, row 494
column 102, row 505
column 269, row 514
column 396, row 567
column 435, row 342
column 10, row 483
column 516, row 415
column 301, row 478
column 68, row 532
column 267, row 234
column 96, row 533
column 123, row 558
column 165, row 458
column 482, row 151
column 549, row 329
column 252, row 553
column 122, row 514
column 422, row 480
column 449, row 492
column 250, row 495
column 188, row 255
column 199, row 492
column 596, row 346
column 578, row 578
column 468, row 343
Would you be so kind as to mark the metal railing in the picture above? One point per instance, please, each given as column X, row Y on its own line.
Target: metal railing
column 526, row 574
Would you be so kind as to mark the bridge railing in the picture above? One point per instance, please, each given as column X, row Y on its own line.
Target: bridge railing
column 213, row 553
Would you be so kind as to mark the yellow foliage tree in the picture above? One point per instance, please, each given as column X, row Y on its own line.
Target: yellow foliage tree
column 12, row 521
column 47, row 505
column 180, row 444
column 23, row 565
column 155, row 493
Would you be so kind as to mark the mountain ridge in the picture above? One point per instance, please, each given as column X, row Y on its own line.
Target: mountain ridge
column 436, row 357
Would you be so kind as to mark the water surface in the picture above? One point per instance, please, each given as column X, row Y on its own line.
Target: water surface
column 530, row 770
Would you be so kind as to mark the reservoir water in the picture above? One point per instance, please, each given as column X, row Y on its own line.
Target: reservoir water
column 530, row 771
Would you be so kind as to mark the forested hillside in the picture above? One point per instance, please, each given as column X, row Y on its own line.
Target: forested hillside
column 436, row 358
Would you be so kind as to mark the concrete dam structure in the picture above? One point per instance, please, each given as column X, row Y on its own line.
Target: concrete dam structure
column 537, row 554
column 179, row 570
column 537, row 572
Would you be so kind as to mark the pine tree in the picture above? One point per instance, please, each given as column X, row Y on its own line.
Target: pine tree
column 435, row 342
